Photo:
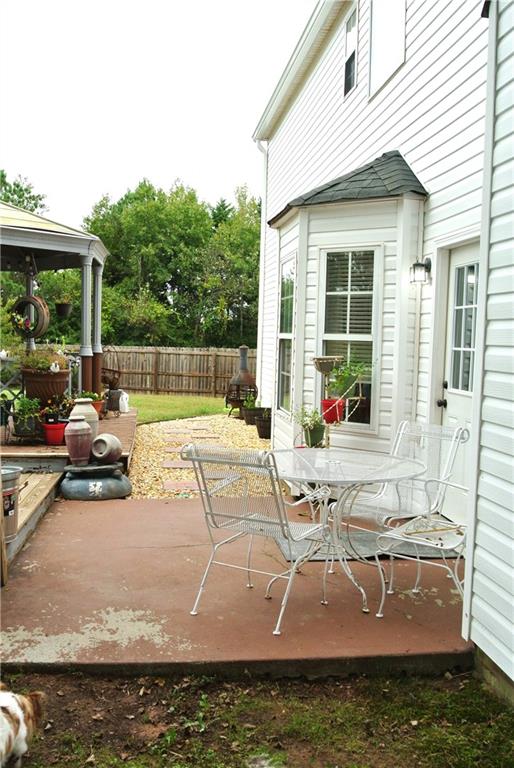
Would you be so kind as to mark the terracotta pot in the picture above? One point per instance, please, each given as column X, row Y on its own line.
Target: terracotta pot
column 98, row 405
column 44, row 384
column 54, row 433
column 84, row 407
column 332, row 410
column 78, row 439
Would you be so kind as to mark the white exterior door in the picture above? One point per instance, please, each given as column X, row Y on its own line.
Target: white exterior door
column 459, row 361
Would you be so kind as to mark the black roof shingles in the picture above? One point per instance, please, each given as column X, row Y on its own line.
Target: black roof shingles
column 386, row 176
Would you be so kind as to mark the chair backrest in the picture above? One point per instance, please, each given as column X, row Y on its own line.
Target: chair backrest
column 238, row 487
column 436, row 446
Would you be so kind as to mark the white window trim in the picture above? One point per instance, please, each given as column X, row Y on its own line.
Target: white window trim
column 376, row 330
column 292, row 256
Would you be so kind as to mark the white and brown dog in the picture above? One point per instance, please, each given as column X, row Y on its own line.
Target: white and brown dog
column 19, row 718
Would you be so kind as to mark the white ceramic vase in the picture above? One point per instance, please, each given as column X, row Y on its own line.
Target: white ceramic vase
column 83, row 407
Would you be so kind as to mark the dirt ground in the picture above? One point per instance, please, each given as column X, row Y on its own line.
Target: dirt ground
column 153, row 722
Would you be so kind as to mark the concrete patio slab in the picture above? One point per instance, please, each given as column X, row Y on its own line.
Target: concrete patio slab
column 180, row 485
column 178, row 464
column 108, row 586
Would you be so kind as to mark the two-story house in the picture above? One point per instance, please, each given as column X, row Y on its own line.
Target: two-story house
column 373, row 144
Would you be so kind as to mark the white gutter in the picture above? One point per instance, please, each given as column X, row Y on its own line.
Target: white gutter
column 312, row 40
column 262, row 265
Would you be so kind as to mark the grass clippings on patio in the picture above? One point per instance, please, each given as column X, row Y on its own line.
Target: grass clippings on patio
column 152, row 441
column 200, row 723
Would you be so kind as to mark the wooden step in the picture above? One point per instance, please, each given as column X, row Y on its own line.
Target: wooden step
column 34, row 500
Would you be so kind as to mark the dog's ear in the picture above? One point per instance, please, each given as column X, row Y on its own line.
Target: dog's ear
column 3, row 686
column 38, row 701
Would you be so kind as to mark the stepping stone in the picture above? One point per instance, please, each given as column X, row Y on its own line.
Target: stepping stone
column 178, row 464
column 180, row 485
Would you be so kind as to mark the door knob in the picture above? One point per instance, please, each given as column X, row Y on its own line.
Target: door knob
column 442, row 402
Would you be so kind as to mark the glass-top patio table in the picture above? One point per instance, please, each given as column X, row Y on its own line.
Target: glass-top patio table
column 346, row 471
column 344, row 467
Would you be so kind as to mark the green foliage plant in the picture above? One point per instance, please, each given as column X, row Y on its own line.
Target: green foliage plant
column 92, row 395
column 309, row 418
column 26, row 408
column 249, row 401
column 344, row 377
column 43, row 358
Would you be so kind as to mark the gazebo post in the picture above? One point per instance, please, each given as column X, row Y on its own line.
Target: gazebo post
column 86, row 351
column 97, row 327
column 29, row 290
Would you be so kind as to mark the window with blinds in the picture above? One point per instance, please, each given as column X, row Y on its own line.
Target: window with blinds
column 348, row 329
column 285, row 334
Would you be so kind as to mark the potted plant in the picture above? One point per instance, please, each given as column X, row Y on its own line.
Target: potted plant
column 97, row 401
column 63, row 304
column 54, row 418
column 263, row 424
column 251, row 409
column 26, row 416
column 45, row 373
column 342, row 381
column 311, row 422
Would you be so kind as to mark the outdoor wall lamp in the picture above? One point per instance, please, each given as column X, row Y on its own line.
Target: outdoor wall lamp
column 420, row 271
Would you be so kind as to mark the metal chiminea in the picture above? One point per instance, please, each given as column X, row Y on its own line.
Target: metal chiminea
column 242, row 384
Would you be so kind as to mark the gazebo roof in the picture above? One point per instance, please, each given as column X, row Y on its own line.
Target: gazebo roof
column 25, row 235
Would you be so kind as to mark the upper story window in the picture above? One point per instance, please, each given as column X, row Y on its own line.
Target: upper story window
column 387, row 41
column 285, row 334
column 349, row 321
column 350, row 53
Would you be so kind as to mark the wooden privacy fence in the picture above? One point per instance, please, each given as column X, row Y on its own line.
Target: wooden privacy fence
column 176, row 370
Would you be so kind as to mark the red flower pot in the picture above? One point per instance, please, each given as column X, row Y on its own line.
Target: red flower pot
column 54, row 433
column 332, row 410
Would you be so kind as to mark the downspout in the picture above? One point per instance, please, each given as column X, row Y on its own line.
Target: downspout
column 417, row 329
column 262, row 265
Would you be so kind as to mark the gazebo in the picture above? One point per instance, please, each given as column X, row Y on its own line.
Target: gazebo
column 31, row 244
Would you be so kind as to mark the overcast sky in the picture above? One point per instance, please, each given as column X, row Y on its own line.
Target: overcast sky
column 97, row 94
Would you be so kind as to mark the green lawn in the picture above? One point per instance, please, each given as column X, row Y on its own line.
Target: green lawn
column 166, row 407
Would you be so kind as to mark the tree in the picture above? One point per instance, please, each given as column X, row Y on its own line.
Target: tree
column 20, row 192
column 232, row 284
column 221, row 212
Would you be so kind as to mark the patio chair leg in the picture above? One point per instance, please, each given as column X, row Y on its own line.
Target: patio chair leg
column 202, row 583
column 390, row 590
column 248, row 563
column 285, row 598
column 324, row 600
column 380, row 613
column 348, row 571
column 416, row 589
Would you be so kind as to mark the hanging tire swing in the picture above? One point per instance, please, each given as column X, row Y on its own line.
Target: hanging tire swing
column 22, row 324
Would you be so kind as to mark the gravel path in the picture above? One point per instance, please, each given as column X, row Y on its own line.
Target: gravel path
column 159, row 443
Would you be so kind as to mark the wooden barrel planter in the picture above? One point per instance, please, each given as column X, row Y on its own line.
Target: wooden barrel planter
column 42, row 313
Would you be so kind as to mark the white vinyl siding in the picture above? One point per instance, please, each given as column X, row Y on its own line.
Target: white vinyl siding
column 489, row 601
column 432, row 110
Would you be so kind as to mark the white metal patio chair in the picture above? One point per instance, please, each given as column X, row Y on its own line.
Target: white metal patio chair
column 432, row 537
column 436, row 447
column 241, row 493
